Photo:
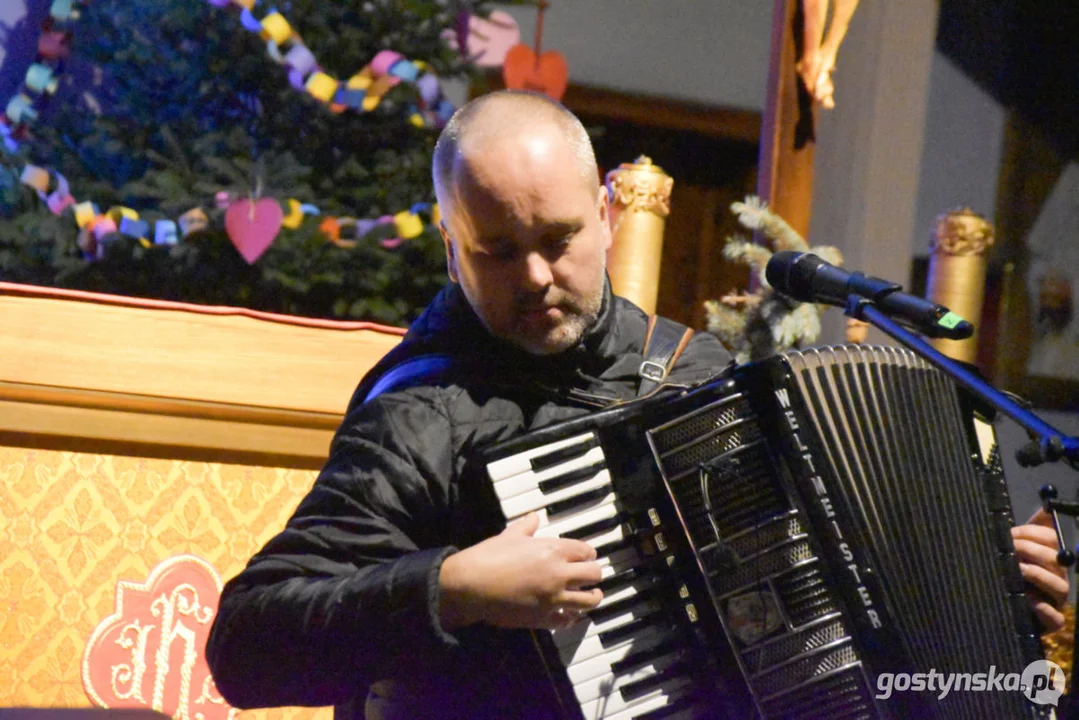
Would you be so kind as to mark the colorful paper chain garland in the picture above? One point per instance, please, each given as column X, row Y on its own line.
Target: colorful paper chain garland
column 95, row 226
column 42, row 77
column 364, row 90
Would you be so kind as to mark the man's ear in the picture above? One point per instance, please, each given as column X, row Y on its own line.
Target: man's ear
column 451, row 256
column 603, row 200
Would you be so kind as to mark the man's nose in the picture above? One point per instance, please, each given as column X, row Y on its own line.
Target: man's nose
column 537, row 272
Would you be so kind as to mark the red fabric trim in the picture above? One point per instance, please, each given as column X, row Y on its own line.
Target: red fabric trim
column 104, row 299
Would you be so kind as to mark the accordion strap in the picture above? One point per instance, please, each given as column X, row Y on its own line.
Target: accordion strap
column 663, row 343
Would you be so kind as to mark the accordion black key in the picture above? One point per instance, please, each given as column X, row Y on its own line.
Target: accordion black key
column 789, row 540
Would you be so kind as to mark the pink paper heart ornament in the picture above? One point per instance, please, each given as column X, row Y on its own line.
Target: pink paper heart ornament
column 252, row 226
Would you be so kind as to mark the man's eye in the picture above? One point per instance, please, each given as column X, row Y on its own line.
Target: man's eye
column 563, row 241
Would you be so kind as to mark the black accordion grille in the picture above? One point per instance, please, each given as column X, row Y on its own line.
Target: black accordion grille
column 690, row 457
column 742, row 515
column 765, row 655
column 762, row 567
column 700, row 424
column 760, row 539
column 842, row 696
column 806, row 668
column 805, row 595
column 748, row 492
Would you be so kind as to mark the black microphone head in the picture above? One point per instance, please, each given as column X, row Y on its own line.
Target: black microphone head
column 791, row 273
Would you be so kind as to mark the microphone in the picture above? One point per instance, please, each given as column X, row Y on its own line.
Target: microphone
column 805, row 277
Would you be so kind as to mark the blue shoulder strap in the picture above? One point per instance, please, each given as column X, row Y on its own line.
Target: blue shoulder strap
column 413, row 371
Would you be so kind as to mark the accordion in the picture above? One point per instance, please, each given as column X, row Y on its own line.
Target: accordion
column 788, row 540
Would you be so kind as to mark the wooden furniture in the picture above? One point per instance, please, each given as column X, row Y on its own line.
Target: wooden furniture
column 147, row 450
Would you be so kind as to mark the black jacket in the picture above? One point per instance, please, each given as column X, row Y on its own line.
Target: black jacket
column 347, row 594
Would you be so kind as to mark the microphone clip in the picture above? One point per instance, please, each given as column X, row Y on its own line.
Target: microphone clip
column 854, row 305
column 944, row 324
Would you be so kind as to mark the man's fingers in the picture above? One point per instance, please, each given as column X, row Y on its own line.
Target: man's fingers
column 525, row 526
column 1036, row 533
column 576, row 550
column 1051, row 618
column 1037, row 554
column 580, row 600
column 571, row 607
column 1048, row 582
column 582, row 574
column 561, row 618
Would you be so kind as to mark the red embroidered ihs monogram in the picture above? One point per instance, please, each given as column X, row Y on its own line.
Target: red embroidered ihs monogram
column 150, row 652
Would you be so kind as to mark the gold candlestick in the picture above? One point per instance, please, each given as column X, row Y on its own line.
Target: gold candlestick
column 957, row 267
column 640, row 202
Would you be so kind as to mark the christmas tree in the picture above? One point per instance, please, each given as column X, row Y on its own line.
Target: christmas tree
column 192, row 112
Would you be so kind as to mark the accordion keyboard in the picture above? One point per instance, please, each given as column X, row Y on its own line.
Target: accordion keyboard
column 623, row 661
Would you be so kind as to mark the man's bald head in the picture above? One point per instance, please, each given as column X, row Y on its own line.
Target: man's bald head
column 525, row 220
column 508, row 114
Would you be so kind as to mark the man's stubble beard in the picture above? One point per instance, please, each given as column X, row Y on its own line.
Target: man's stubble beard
column 577, row 320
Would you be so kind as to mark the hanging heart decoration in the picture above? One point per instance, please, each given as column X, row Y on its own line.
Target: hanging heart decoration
column 526, row 68
column 252, row 226
column 546, row 73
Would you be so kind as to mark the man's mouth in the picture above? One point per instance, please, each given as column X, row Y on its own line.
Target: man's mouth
column 542, row 311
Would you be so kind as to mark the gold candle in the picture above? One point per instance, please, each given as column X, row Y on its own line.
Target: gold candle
column 640, row 202
column 957, row 267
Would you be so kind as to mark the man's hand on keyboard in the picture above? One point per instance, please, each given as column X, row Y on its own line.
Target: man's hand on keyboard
column 517, row 580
